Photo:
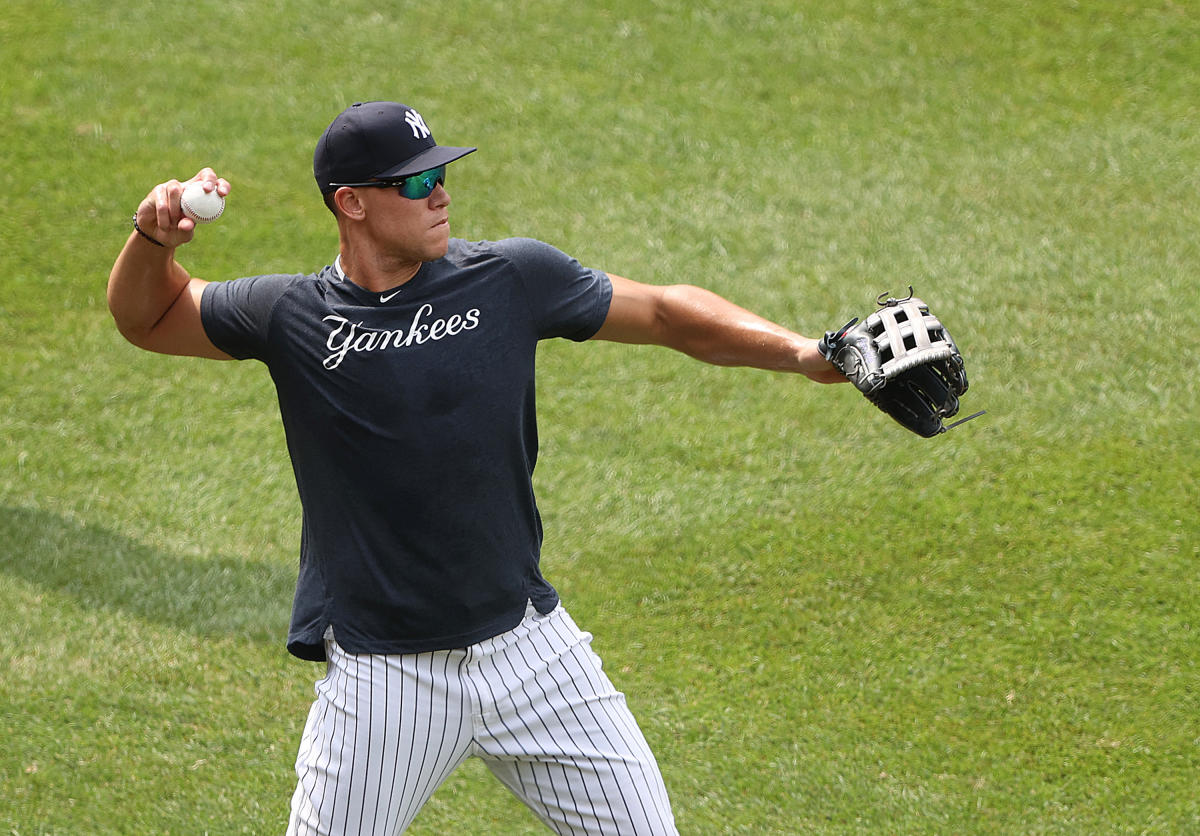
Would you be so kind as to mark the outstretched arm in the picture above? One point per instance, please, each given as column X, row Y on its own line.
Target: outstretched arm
column 153, row 300
column 703, row 325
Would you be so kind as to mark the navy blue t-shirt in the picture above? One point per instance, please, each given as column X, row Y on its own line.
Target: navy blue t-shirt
column 409, row 418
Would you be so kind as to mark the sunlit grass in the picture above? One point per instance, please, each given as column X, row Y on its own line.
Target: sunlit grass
column 823, row 624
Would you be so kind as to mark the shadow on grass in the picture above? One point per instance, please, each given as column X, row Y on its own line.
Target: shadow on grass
column 211, row 596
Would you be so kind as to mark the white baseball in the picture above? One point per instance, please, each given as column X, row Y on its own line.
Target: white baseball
column 201, row 206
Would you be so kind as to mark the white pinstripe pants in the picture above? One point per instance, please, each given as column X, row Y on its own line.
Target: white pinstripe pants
column 533, row 704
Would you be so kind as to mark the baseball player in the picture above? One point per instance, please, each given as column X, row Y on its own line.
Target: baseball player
column 405, row 379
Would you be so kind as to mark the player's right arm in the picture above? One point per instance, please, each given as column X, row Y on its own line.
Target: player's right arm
column 154, row 301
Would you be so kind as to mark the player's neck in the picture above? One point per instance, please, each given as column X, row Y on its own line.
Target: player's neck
column 376, row 272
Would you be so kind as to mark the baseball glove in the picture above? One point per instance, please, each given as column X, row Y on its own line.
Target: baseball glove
column 904, row 360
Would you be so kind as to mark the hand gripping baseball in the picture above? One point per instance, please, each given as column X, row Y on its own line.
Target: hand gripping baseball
column 164, row 216
column 904, row 361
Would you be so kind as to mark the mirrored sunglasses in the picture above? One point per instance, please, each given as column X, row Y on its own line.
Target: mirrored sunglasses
column 414, row 187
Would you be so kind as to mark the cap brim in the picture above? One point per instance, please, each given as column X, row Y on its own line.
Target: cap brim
column 427, row 159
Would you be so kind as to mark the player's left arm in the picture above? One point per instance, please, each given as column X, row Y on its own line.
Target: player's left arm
column 706, row 326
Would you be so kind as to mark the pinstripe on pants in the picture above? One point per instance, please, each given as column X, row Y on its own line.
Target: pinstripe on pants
column 532, row 703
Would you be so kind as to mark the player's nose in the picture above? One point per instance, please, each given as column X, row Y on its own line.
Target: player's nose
column 439, row 196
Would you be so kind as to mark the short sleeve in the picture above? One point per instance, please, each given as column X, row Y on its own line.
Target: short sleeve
column 237, row 314
column 566, row 299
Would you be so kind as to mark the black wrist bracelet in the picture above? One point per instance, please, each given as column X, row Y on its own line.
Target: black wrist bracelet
column 138, row 230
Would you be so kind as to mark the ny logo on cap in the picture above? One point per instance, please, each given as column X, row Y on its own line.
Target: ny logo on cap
column 414, row 120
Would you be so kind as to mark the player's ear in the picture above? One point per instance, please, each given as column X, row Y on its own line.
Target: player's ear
column 348, row 203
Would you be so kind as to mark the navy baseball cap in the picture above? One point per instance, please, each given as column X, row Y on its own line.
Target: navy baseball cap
column 377, row 141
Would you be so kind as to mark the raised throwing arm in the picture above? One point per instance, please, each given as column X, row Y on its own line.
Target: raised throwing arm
column 154, row 301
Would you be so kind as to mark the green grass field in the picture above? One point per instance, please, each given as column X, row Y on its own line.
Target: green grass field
column 824, row 624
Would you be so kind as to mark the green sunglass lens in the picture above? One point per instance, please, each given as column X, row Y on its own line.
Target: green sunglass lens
column 420, row 186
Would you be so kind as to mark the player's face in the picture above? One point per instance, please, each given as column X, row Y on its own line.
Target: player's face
column 409, row 229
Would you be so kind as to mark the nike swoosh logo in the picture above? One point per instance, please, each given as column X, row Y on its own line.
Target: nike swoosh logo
column 387, row 296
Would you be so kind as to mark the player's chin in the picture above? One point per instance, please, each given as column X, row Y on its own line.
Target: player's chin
column 439, row 241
